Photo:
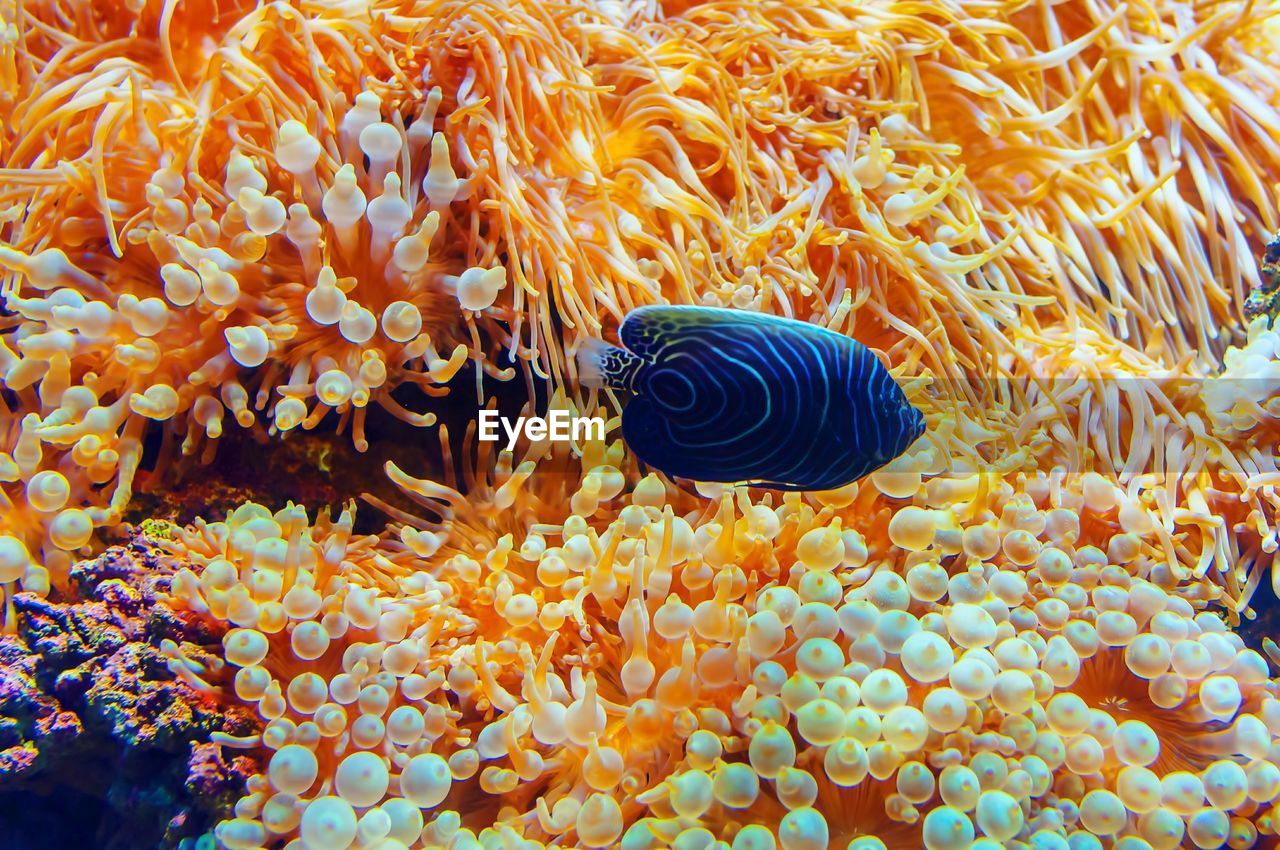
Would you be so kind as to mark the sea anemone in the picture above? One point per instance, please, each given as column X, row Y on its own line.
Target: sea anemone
column 742, row 672
column 275, row 213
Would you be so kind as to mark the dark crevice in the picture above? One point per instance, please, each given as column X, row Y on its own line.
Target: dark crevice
column 58, row 817
column 321, row 467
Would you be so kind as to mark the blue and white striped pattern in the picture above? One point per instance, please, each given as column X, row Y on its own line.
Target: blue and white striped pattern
column 738, row 397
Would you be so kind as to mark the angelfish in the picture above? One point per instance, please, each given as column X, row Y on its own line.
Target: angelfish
column 732, row 396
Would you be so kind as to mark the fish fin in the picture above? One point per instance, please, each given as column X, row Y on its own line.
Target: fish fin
column 647, row 330
column 593, row 366
column 690, row 486
column 785, row 487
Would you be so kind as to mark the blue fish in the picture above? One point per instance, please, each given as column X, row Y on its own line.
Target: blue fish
column 738, row 397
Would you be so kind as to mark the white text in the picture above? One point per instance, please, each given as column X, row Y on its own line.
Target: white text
column 558, row 426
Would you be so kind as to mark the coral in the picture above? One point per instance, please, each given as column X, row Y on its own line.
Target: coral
column 28, row 716
column 89, row 706
column 1263, row 300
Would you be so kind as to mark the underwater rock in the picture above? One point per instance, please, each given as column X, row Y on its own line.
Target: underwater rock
column 28, row 717
column 90, row 711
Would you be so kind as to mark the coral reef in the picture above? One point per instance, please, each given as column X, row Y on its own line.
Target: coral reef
column 89, row 707
column 271, row 220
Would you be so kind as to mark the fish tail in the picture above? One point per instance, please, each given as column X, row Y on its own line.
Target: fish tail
column 591, row 358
